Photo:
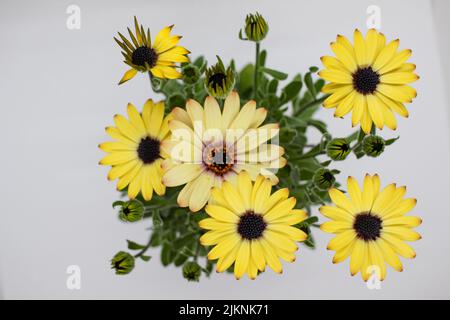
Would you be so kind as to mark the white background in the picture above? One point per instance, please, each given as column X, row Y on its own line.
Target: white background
column 59, row 90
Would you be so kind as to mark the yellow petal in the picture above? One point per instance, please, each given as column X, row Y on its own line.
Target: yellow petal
column 338, row 96
column 281, row 209
column 336, row 76
column 393, row 105
column 358, row 109
column 119, row 170
column 403, row 221
column 402, row 233
column 230, row 109
column 355, row 193
column 400, row 93
column 341, row 240
column 135, row 185
column 242, row 259
column 399, row 77
column 211, row 238
column 294, row 217
column 360, row 48
column 224, row 247
column 213, row 224
column 155, row 176
column 262, row 196
column 289, row 231
column 227, row 260
column 233, row 198
column 367, row 194
column 399, row 246
column 397, row 62
column 270, row 256
column 335, row 213
column 345, row 105
column 386, row 55
column 358, row 256
column 375, row 111
column 213, row 116
column 371, row 45
column 147, row 187
column 333, row 63
column 336, row 226
column 201, row 193
column 126, row 128
column 275, row 198
column 118, row 157
column 389, row 255
column 244, row 185
column 341, row 200
column 128, row 75
column 221, row 213
column 135, row 119
column 257, row 255
column 344, row 56
column 181, row 174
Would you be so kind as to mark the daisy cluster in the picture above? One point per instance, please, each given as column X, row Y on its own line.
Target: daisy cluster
column 223, row 168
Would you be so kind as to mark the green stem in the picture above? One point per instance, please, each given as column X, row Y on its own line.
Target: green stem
column 256, row 73
column 144, row 250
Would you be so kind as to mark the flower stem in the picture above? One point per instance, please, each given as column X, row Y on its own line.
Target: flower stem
column 144, row 250
column 256, row 73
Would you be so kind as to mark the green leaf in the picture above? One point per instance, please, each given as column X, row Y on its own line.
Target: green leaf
column 274, row 73
column 310, row 84
column 134, row 246
column 117, row 203
column 292, row 89
column 157, row 220
column 145, row 258
column 273, row 86
column 262, row 58
column 391, row 141
column 246, row 79
column 167, row 255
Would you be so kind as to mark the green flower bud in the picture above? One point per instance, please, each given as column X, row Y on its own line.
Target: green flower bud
column 191, row 74
column 324, row 179
column 130, row 211
column 123, row 263
column 373, row 146
column 256, row 27
column 219, row 81
column 192, row 271
column 338, row 149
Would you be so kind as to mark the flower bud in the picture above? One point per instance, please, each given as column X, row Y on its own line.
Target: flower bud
column 123, row 263
column 256, row 27
column 323, row 179
column 130, row 211
column 373, row 146
column 191, row 74
column 219, row 81
column 192, row 271
column 338, row 149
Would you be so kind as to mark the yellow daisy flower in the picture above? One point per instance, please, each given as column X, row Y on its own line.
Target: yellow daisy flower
column 217, row 145
column 371, row 226
column 136, row 156
column 159, row 58
column 369, row 78
column 251, row 227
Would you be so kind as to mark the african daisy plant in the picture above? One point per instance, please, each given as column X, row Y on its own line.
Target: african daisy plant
column 224, row 175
